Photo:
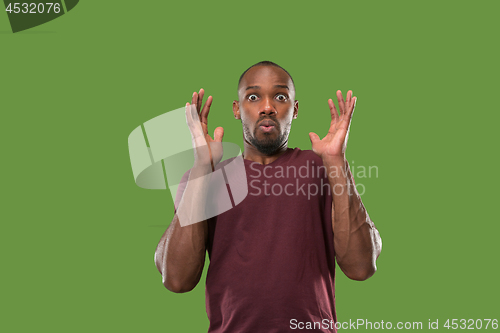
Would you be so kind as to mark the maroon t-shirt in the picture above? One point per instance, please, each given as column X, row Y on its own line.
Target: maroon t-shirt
column 272, row 261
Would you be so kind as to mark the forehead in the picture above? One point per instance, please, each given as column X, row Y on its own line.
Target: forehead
column 265, row 75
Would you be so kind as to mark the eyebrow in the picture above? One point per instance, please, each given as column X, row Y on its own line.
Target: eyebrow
column 275, row 86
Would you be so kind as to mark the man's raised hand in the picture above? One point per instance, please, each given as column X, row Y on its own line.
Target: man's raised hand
column 333, row 145
column 208, row 151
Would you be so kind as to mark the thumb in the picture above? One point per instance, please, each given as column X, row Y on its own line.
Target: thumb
column 314, row 137
column 218, row 134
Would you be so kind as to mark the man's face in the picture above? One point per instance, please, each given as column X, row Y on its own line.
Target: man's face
column 266, row 107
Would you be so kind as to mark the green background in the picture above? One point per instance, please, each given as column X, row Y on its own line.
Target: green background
column 78, row 236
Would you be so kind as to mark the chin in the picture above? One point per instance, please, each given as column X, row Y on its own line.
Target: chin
column 267, row 147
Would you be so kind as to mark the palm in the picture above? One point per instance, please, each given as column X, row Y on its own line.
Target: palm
column 215, row 146
column 335, row 142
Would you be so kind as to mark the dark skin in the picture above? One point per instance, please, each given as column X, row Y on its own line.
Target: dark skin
column 265, row 92
column 266, row 108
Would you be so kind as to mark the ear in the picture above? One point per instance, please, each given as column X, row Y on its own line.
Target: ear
column 236, row 109
column 295, row 109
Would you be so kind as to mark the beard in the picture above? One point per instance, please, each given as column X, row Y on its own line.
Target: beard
column 267, row 145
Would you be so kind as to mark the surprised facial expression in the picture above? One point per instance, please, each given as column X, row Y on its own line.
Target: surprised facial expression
column 266, row 107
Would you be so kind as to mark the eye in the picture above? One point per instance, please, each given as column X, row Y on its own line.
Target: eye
column 252, row 97
column 282, row 97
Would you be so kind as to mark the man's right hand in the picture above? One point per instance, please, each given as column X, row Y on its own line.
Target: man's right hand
column 208, row 151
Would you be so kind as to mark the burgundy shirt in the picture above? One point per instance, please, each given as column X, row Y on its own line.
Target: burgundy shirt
column 272, row 261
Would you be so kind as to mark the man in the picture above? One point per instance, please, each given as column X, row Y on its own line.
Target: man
column 272, row 257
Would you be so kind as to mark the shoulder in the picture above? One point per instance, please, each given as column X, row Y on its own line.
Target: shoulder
column 217, row 167
column 299, row 154
column 224, row 163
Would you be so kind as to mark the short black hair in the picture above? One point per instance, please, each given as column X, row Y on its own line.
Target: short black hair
column 265, row 63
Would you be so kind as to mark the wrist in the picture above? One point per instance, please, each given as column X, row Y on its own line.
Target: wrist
column 339, row 160
column 201, row 169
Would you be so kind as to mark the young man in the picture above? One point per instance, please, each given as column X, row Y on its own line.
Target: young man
column 272, row 257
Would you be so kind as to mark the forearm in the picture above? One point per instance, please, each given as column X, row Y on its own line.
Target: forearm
column 180, row 255
column 356, row 240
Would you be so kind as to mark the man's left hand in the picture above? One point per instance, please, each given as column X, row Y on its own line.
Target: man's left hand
column 333, row 145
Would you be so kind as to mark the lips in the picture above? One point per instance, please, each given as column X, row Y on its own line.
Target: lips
column 267, row 122
column 267, row 125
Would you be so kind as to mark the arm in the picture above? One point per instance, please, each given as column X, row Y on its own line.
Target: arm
column 356, row 240
column 180, row 254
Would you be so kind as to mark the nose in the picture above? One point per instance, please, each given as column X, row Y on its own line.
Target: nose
column 267, row 108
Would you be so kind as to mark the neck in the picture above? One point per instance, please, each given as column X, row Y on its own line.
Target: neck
column 252, row 154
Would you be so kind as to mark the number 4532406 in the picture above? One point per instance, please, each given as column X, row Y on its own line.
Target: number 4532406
column 33, row 8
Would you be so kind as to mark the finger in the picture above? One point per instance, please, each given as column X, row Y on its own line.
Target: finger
column 349, row 114
column 200, row 99
column 194, row 99
column 348, row 100
column 314, row 138
column 333, row 110
column 193, row 121
column 348, row 104
column 189, row 118
column 218, row 134
column 340, row 99
column 206, row 110
column 353, row 105
column 350, row 108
